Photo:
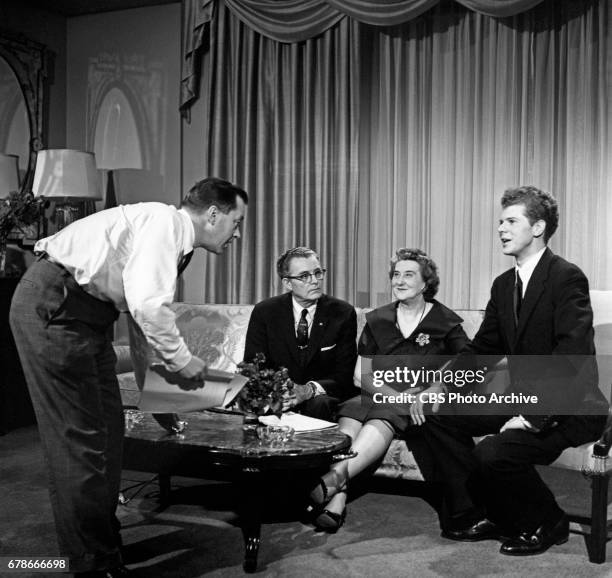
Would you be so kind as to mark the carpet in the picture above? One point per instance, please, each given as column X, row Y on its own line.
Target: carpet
column 391, row 530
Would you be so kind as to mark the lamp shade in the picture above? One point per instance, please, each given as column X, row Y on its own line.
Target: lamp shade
column 9, row 174
column 66, row 173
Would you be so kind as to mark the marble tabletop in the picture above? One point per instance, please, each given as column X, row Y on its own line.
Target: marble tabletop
column 222, row 439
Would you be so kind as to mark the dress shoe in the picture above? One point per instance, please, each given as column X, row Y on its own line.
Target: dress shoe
column 538, row 541
column 117, row 572
column 328, row 521
column 481, row 530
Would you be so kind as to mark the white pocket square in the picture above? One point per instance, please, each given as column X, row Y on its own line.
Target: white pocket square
column 328, row 348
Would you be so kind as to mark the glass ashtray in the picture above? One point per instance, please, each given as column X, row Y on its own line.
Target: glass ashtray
column 132, row 418
column 274, row 435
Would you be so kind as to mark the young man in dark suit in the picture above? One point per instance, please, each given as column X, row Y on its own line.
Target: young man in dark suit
column 540, row 307
column 312, row 334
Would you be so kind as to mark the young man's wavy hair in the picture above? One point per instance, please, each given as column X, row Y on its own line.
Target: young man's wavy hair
column 539, row 206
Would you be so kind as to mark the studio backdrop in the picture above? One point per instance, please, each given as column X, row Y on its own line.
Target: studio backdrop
column 361, row 126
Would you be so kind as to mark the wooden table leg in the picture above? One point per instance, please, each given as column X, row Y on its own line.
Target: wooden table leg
column 251, row 530
column 252, row 490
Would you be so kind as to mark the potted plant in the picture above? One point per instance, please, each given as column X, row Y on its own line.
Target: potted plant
column 265, row 389
column 18, row 212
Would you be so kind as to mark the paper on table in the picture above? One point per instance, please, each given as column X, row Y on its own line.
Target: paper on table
column 167, row 392
column 299, row 422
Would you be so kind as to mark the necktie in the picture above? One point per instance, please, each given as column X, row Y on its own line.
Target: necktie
column 302, row 330
column 184, row 262
column 518, row 297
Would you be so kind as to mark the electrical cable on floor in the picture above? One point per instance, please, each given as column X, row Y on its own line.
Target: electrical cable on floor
column 140, row 485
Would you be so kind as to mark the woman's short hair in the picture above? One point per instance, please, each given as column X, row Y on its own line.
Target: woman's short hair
column 429, row 270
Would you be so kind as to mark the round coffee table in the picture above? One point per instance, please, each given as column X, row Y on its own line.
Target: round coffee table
column 216, row 445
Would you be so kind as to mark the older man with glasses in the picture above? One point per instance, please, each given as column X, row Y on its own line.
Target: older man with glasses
column 312, row 334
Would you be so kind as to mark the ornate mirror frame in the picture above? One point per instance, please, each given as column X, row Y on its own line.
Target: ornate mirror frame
column 28, row 60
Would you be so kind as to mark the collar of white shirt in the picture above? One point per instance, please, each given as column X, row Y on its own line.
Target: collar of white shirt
column 188, row 231
column 527, row 268
column 297, row 313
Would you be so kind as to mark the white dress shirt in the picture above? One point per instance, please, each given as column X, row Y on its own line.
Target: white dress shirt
column 527, row 268
column 128, row 255
column 525, row 271
column 297, row 314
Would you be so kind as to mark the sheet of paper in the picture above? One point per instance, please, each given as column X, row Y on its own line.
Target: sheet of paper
column 299, row 422
column 234, row 388
column 166, row 392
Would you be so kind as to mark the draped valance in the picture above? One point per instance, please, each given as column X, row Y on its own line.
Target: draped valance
column 299, row 20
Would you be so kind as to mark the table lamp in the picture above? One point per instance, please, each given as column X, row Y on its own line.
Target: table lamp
column 70, row 179
column 9, row 174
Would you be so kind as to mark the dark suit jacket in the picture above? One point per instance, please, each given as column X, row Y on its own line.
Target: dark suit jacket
column 331, row 354
column 555, row 320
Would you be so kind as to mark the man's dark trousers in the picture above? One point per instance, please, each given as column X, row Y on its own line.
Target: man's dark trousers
column 501, row 464
column 555, row 319
column 63, row 339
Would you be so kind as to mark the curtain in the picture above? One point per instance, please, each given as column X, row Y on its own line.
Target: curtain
column 196, row 15
column 299, row 20
column 282, row 123
column 368, row 138
column 463, row 106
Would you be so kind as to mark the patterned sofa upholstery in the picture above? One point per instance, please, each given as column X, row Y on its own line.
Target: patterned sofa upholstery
column 216, row 333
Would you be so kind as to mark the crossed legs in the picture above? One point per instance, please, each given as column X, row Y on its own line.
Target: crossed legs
column 370, row 441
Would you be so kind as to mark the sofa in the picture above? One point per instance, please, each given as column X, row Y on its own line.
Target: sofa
column 216, row 333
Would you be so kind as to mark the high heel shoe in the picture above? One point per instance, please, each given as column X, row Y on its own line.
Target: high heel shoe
column 327, row 488
column 330, row 522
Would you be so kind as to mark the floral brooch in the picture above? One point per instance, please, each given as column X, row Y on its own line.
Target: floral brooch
column 422, row 339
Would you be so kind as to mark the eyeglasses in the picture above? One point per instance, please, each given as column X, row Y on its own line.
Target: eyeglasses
column 305, row 277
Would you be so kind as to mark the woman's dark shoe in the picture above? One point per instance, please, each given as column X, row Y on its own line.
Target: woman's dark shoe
column 327, row 487
column 330, row 522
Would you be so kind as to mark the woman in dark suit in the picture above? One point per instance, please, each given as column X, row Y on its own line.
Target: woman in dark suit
column 416, row 326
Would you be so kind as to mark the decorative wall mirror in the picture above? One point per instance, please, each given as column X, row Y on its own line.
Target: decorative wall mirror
column 22, row 82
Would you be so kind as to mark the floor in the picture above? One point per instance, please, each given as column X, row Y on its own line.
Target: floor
column 391, row 531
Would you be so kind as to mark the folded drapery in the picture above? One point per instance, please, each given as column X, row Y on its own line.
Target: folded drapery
column 299, row 20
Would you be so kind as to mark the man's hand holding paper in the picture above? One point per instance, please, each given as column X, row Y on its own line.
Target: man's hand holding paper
column 195, row 369
column 168, row 392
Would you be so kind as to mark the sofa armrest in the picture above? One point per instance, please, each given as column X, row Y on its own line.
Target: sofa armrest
column 124, row 359
column 603, row 444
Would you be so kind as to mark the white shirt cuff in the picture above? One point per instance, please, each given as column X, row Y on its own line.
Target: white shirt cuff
column 527, row 424
column 318, row 388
